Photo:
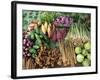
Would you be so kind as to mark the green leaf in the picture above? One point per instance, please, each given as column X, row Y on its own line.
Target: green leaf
column 37, row 30
column 32, row 36
column 32, row 50
column 41, row 33
column 37, row 43
column 36, row 46
column 33, row 55
column 25, row 22
column 38, row 38
column 44, row 36
column 41, row 36
column 30, row 16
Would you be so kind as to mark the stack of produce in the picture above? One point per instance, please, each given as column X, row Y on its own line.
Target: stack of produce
column 79, row 35
column 27, row 43
column 48, row 58
column 83, row 54
column 62, row 25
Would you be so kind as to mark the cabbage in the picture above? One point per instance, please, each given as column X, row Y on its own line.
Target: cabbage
column 80, row 58
column 84, row 52
column 89, row 56
column 86, row 62
column 78, row 50
column 87, row 46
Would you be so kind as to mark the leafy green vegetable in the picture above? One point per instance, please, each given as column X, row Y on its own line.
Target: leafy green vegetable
column 38, row 38
column 34, row 55
column 41, row 36
column 37, row 30
column 32, row 50
column 36, row 46
column 47, row 16
column 32, row 36
column 37, row 43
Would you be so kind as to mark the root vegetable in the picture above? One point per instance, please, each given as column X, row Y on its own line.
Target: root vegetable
column 46, row 26
column 49, row 30
column 43, row 29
